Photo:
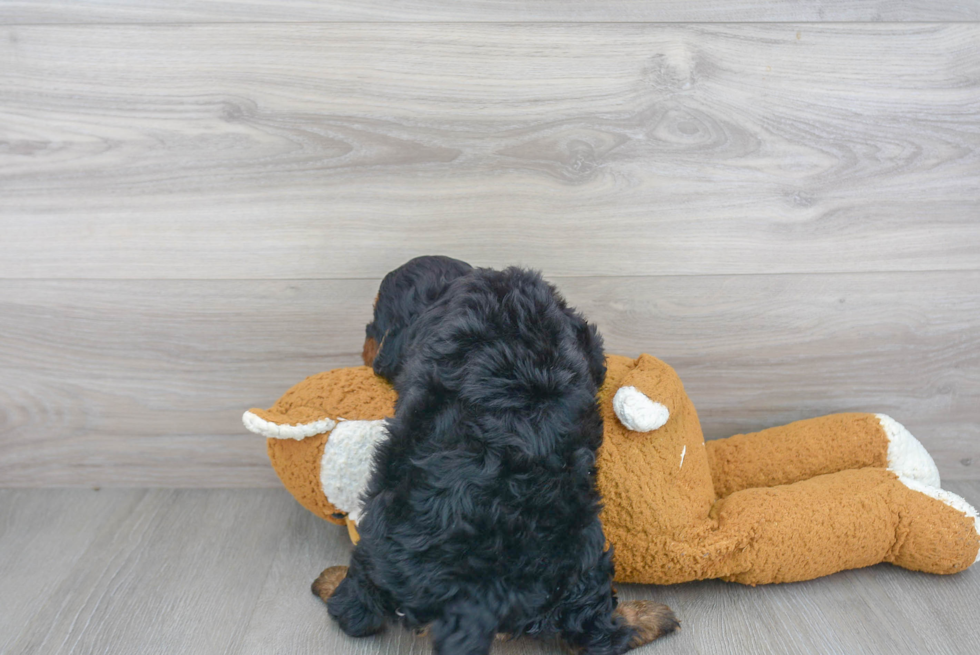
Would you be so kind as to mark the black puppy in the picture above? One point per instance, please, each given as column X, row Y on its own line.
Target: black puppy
column 481, row 516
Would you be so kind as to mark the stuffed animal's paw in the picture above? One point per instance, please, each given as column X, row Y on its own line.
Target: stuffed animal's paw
column 908, row 458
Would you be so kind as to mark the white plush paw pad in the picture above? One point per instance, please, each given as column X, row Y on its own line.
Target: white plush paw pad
column 956, row 502
column 270, row 430
column 345, row 469
column 906, row 456
column 637, row 412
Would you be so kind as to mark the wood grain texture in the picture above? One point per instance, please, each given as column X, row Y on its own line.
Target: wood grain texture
column 44, row 535
column 144, row 382
column 110, row 383
column 215, row 571
column 224, row 11
column 179, row 571
column 340, row 150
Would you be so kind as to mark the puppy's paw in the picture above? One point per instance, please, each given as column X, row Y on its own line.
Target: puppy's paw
column 328, row 581
column 650, row 620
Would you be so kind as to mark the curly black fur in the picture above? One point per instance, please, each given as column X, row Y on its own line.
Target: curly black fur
column 482, row 513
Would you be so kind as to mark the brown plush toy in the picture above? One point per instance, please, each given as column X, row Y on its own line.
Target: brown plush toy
column 789, row 503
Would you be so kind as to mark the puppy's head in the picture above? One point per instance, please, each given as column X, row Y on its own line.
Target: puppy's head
column 404, row 294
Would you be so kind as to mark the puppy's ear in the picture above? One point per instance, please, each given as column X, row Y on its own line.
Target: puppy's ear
column 590, row 341
column 389, row 357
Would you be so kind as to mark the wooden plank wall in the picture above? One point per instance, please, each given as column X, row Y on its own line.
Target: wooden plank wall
column 197, row 205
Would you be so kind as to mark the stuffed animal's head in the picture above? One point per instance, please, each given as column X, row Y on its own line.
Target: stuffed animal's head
column 323, row 432
column 321, row 437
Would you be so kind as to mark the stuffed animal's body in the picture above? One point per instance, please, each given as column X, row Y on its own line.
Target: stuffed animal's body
column 789, row 503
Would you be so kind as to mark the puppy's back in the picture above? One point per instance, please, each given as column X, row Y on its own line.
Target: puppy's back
column 488, row 477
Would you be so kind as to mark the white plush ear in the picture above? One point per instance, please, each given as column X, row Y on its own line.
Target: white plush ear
column 637, row 412
column 298, row 432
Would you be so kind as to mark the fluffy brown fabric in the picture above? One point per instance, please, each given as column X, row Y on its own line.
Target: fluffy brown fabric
column 788, row 503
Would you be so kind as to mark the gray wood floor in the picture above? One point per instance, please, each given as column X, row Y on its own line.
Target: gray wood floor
column 228, row 571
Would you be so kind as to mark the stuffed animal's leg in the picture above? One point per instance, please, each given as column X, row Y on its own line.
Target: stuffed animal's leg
column 817, row 446
column 839, row 521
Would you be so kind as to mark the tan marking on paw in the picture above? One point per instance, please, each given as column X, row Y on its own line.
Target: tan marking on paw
column 650, row 620
column 328, row 581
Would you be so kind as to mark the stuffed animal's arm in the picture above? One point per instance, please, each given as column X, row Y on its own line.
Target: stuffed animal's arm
column 805, row 449
column 646, row 395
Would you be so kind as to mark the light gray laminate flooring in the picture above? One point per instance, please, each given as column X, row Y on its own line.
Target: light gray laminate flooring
column 228, row 571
